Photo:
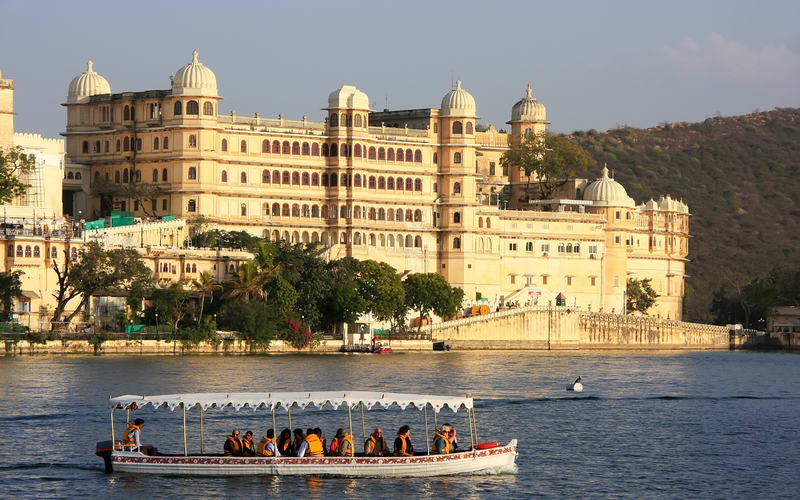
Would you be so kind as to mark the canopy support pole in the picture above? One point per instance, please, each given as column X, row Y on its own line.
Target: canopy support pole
column 185, row 447
column 363, row 425
column 350, row 418
column 475, row 425
column 435, row 419
column 274, row 430
column 127, row 416
column 427, row 433
column 289, row 411
column 201, row 429
column 471, row 435
column 112, row 429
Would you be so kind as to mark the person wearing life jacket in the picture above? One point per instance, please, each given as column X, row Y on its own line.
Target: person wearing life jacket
column 441, row 444
column 322, row 438
column 248, row 445
column 334, row 451
column 375, row 446
column 132, row 436
column 346, row 448
column 402, row 443
column 451, row 436
column 285, row 443
column 233, row 445
column 312, row 446
column 267, row 447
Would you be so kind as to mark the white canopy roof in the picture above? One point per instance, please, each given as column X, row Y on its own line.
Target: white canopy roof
column 285, row 400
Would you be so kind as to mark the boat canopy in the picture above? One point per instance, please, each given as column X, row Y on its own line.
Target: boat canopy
column 286, row 400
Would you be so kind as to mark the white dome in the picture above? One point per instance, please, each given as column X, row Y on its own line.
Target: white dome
column 607, row 192
column 348, row 97
column 194, row 79
column 528, row 109
column 458, row 102
column 651, row 205
column 86, row 85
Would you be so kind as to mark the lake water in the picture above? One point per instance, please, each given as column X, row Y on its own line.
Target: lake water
column 667, row 424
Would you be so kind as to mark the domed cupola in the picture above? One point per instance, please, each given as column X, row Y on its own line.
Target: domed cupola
column 605, row 191
column 458, row 103
column 348, row 97
column 194, row 79
column 86, row 85
column 528, row 109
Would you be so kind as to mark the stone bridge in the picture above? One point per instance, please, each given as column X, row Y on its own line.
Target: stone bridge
column 543, row 327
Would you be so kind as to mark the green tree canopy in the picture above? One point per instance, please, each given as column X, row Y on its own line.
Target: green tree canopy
column 381, row 288
column 13, row 165
column 640, row 295
column 426, row 292
column 10, row 288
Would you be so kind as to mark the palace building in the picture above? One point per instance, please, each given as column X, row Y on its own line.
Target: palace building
column 420, row 189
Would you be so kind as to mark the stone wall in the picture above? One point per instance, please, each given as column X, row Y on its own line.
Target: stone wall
column 564, row 328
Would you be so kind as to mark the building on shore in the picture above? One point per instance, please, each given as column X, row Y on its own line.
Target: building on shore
column 416, row 188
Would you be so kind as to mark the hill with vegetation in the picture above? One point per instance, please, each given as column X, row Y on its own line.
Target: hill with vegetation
column 740, row 177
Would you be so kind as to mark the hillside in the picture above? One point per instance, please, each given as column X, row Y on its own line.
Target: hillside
column 741, row 179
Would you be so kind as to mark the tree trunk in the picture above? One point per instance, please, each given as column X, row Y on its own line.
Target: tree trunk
column 202, row 303
column 78, row 309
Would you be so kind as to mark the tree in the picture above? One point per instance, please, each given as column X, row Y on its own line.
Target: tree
column 10, row 288
column 640, row 296
column 134, row 190
column 206, row 285
column 172, row 303
column 246, row 283
column 14, row 164
column 426, row 292
column 552, row 158
column 381, row 288
column 256, row 321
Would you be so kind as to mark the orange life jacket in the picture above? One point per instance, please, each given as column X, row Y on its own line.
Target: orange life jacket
column 351, row 451
column 236, row 450
column 129, row 439
column 334, row 446
column 403, row 445
column 314, row 446
column 441, row 438
column 262, row 447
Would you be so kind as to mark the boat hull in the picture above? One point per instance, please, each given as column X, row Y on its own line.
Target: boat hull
column 499, row 460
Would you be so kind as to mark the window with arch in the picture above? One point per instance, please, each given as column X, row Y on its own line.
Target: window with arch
column 417, row 215
column 325, row 150
column 125, row 175
column 417, row 184
column 126, row 113
column 400, row 155
column 276, row 177
column 480, row 221
column 488, row 222
column 324, row 179
column 314, row 211
column 306, row 179
column 409, row 184
column 138, row 144
column 296, row 178
column 166, row 143
column 224, row 177
column 243, row 177
column 19, row 250
column 118, row 146
column 343, row 212
column 357, row 180
column 96, row 148
column 418, row 156
column 208, row 108
column 265, row 146
column 371, row 153
column 77, row 175
column 192, row 108
column 456, row 243
column 400, row 184
column 435, row 157
column 343, row 181
column 286, row 148
column 324, row 211
column 334, row 150
column 371, row 184
column 177, row 109
column 276, row 147
column 381, row 183
column 381, row 214
column 315, row 149
column 27, row 250
column 373, row 214
column 457, row 188
column 192, row 141
column 285, row 210
column 315, row 179
column 390, row 154
column 70, row 175
column 306, row 149
column 155, row 175
column 381, row 154
column 192, row 206
column 398, row 215
column 192, row 173
column 106, row 146
column 390, row 183
column 357, row 121
column 418, row 242
column 285, row 178
column 469, row 128
column 457, row 218
column 126, row 144
column 305, row 211
column 332, row 178
column 344, row 151
column 155, row 143
column 243, row 210
column 36, row 251
column 53, row 252
column 409, row 215
column 334, row 120
column 457, row 158
column 357, row 150
column 265, row 177
column 276, row 209
column 295, row 148
column 243, row 146
column 295, row 210
column 409, row 156
column 224, row 144
column 457, row 128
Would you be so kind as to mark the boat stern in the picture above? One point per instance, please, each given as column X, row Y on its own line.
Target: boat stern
column 103, row 450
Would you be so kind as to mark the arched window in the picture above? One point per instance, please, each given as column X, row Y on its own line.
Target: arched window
column 324, row 211
column 125, row 175
column 155, row 144
column 314, row 211
column 296, row 178
column 400, row 155
column 418, row 242
column 315, row 149
column 177, row 110
column 457, row 188
column 457, row 218
column 390, row 154
column 333, row 150
column 224, row 144
column 70, row 175
column 371, row 182
column 373, row 214
column 418, row 215
column 276, row 210
column 27, row 250
column 155, row 175
column 77, row 175
column 343, row 213
column 118, row 146
column 126, row 144
column 315, row 179
column 286, row 148
column 96, row 147
column 295, row 210
column 457, row 128
column 243, row 146
column 381, row 183
column 53, row 252
column 192, row 173
column 409, row 156
column 192, row 141
column 324, row 179
column 306, row 180
column 276, row 147
column 456, row 243
column 265, row 177
column 192, row 108
column 469, row 128
column 371, row 154
column 166, row 142
column 398, row 215
column 243, row 209
column 306, row 212
column 488, row 222
column 357, row 150
column 243, row 178
column 480, row 221
column 105, row 149
column 306, row 149
column 390, row 183
column 138, row 144
column 381, row 214
column 332, row 180
column 418, row 156
column 435, row 157
column 400, row 184
column 285, row 210
column 276, row 177
column 194, row 268
column 417, row 184
column 192, row 206
column 334, row 120
column 381, row 154
column 357, row 121
column 285, row 178
column 265, row 146
column 344, row 151
column 208, row 108
column 457, row 158
column 409, row 215
column 36, row 251
column 409, row 241
column 357, row 180
column 295, row 148
column 343, row 180
column 224, row 177
column 324, row 150
column 356, row 212
column 409, row 184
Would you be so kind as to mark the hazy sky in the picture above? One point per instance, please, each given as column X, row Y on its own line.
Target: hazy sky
column 593, row 64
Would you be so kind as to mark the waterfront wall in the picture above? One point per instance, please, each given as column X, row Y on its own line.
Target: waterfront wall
column 565, row 328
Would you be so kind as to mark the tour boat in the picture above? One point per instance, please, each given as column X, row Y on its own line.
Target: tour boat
column 479, row 458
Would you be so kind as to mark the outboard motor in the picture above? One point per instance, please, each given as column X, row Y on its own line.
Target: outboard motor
column 103, row 450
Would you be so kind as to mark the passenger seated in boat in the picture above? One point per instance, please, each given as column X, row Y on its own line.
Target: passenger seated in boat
column 322, row 438
column 249, row 445
column 346, row 448
column 402, row 444
column 451, row 436
column 312, row 446
column 132, row 436
column 299, row 437
column 334, row 451
column 266, row 448
column 376, row 446
column 285, row 443
column 441, row 443
column 233, row 445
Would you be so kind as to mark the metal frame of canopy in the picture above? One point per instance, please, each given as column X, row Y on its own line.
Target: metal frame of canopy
column 285, row 400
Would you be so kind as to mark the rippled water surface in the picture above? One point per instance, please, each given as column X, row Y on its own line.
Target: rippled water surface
column 710, row 424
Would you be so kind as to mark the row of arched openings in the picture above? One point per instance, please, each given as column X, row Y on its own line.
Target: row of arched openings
column 329, row 180
column 35, row 251
column 345, row 212
column 347, row 150
column 328, row 238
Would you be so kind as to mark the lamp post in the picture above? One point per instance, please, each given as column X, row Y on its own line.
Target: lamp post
column 157, row 334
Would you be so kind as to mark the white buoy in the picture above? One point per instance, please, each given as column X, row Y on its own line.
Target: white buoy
column 576, row 386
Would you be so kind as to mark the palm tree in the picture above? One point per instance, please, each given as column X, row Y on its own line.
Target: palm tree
column 246, row 282
column 206, row 285
column 264, row 257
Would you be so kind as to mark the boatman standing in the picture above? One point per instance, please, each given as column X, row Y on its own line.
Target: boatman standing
column 132, row 438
